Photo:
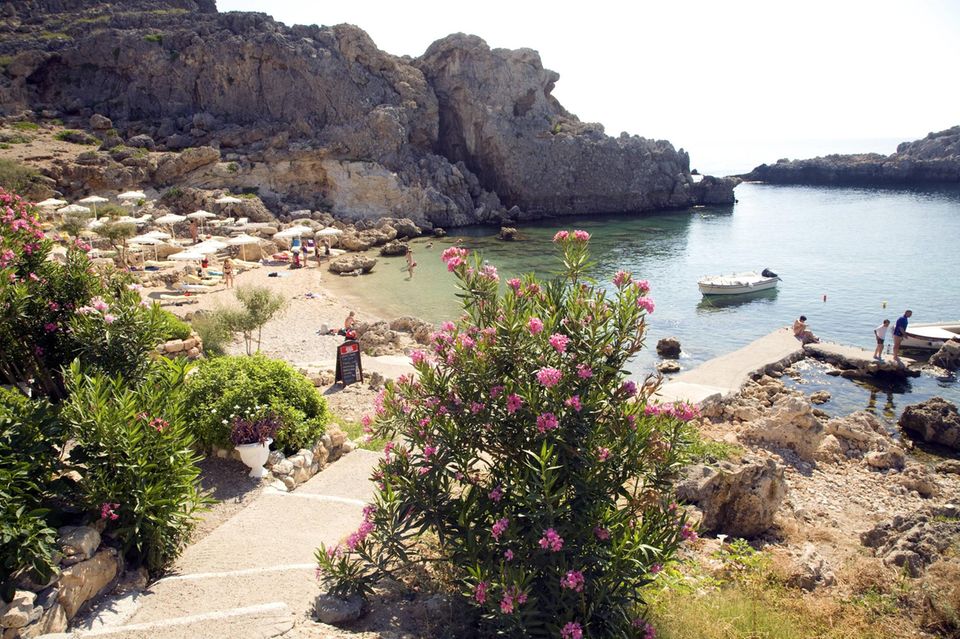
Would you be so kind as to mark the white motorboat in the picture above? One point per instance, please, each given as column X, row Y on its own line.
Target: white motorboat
column 738, row 283
column 930, row 336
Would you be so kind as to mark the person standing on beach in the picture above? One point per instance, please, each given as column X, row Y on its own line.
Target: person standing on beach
column 228, row 272
column 899, row 330
column 880, row 333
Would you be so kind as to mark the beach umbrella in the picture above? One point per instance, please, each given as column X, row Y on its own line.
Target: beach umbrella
column 171, row 219
column 208, row 246
column 185, row 256
column 147, row 240
column 294, row 231
column 73, row 208
column 329, row 231
column 201, row 215
column 143, row 219
column 228, row 199
column 243, row 240
column 94, row 200
column 51, row 203
column 94, row 223
column 160, row 235
column 132, row 195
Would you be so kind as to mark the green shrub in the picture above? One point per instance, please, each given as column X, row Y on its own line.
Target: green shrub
column 31, row 441
column 258, row 305
column 251, row 386
column 213, row 333
column 153, row 37
column 543, row 474
column 75, row 137
column 138, row 469
column 173, row 326
column 17, row 177
column 25, row 126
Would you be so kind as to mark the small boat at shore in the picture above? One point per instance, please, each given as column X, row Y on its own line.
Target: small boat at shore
column 930, row 336
column 738, row 283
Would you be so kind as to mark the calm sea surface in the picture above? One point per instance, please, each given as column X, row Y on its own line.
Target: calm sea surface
column 870, row 253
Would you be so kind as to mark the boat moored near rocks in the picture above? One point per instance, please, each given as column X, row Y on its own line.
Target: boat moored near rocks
column 738, row 283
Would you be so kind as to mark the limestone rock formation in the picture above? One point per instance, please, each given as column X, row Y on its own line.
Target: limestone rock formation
column 935, row 420
column 948, row 357
column 792, row 425
column 935, row 158
column 914, row 541
column 320, row 118
column 737, row 500
column 352, row 264
column 668, row 347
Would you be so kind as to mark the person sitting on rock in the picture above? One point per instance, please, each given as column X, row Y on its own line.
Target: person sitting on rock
column 803, row 334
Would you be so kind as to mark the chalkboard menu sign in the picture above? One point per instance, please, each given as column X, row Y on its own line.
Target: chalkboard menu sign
column 349, row 369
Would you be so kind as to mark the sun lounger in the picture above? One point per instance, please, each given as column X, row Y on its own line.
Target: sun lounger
column 177, row 299
column 245, row 265
column 197, row 288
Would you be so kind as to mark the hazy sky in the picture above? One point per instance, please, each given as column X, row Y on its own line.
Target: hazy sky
column 704, row 72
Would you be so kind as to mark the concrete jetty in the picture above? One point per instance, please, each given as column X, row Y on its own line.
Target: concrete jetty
column 859, row 363
column 725, row 375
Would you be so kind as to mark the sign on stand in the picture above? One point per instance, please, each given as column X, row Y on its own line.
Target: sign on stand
column 349, row 368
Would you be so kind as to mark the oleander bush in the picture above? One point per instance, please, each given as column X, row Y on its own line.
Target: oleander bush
column 225, row 388
column 541, row 471
column 173, row 327
column 52, row 313
column 136, row 460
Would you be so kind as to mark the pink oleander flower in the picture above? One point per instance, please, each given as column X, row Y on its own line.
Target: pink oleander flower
column 99, row 304
column 466, row 342
column 648, row 631
column 53, row 306
column 515, row 284
column 629, row 387
column 158, row 424
column 495, row 391
column 560, row 236
column 549, row 376
column 533, row 289
column 547, row 421
column 489, row 272
column 428, row 452
column 571, row 630
column 480, row 592
column 574, row 403
column 506, row 604
column 559, row 342
column 603, row 453
column 108, row 511
column 584, row 371
column 38, row 351
column 476, row 407
column 632, row 422
column 134, row 287
column 50, row 327
column 581, row 236
column 645, row 303
column 601, row 533
column 687, row 533
column 447, row 326
column 499, row 527
column 496, row 494
column 535, row 325
column 643, row 286
column 508, row 554
column 514, row 402
column 656, row 568
column 573, row 580
column 622, row 278
column 551, row 540
column 417, row 357
column 33, row 277
column 108, row 318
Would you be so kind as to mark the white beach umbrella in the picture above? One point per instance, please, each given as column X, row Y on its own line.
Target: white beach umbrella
column 160, row 235
column 243, row 240
column 201, row 215
column 170, row 218
column 228, row 199
column 73, row 208
column 94, row 200
column 94, row 223
column 143, row 219
column 294, row 231
column 329, row 231
column 51, row 203
column 132, row 195
column 147, row 240
column 208, row 246
column 185, row 256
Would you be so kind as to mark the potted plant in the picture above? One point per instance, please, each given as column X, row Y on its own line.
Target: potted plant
column 252, row 437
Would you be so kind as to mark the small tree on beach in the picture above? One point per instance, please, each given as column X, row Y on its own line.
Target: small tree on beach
column 258, row 306
column 542, row 472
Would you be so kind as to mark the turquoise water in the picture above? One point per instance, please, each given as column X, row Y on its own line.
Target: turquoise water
column 861, row 248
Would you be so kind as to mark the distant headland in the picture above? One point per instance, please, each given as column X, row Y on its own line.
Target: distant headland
column 319, row 117
column 933, row 159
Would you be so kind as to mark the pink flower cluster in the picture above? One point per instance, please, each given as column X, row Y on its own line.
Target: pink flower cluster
column 510, row 596
column 499, row 527
column 622, row 278
column 549, row 376
column 547, row 421
column 646, row 304
column 601, row 533
column 514, row 402
column 574, row 403
column 454, row 257
column 535, row 325
column 573, row 580
column 551, row 540
column 158, row 424
column 356, row 538
column 480, row 592
column 515, row 284
column 687, row 533
column 648, row 631
column 579, row 236
column 559, row 342
column 496, row 494
column 489, row 272
column 603, row 453
column 108, row 511
column 584, row 371
column 571, row 630
column 679, row 410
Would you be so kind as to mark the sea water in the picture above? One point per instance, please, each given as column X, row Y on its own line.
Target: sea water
column 848, row 258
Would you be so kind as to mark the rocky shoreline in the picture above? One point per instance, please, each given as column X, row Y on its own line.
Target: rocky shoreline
column 934, row 159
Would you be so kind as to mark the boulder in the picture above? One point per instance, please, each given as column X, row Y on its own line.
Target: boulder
column 859, row 433
column 377, row 339
column 21, row 610
column 85, row 580
column 790, row 424
column 820, row 397
column 338, row 610
column 393, row 249
column 668, row 367
column 934, row 421
column 916, row 540
column 886, row 459
column 100, row 122
column 919, row 479
column 739, row 500
column 949, row 467
column 53, row 620
column 508, row 234
column 811, row 570
column 948, row 357
column 77, row 543
column 352, row 264
column 668, row 347
column 142, row 142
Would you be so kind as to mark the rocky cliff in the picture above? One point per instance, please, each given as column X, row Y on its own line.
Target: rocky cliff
column 319, row 117
column 934, row 159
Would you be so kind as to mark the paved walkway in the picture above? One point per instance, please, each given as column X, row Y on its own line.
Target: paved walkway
column 254, row 576
column 725, row 375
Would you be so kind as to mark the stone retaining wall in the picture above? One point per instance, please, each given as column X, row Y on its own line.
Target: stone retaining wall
column 191, row 348
column 85, row 570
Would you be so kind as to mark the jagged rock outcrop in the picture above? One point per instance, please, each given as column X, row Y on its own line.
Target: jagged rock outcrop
column 914, row 541
column 320, row 118
column 935, row 158
column 499, row 117
column 935, row 420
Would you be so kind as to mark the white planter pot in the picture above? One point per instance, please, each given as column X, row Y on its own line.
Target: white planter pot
column 255, row 456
